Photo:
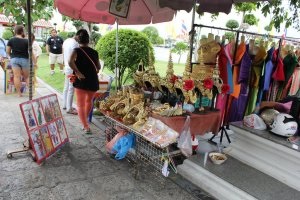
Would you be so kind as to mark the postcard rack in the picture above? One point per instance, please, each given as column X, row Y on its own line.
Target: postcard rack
column 147, row 154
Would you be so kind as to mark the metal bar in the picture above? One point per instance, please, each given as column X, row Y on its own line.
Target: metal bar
column 117, row 70
column 29, row 47
column 192, row 34
column 245, row 32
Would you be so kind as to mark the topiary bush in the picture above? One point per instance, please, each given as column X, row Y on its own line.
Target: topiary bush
column 7, row 34
column 133, row 47
column 63, row 35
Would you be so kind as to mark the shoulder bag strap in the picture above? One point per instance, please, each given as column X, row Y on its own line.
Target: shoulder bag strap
column 89, row 58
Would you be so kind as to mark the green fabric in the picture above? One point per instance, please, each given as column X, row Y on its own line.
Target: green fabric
column 289, row 62
column 252, row 101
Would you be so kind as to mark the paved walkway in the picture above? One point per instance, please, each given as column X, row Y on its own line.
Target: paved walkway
column 80, row 170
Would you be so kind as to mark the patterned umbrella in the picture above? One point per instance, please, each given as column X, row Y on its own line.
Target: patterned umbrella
column 128, row 12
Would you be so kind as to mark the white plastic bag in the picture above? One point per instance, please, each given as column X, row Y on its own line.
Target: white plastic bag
column 185, row 139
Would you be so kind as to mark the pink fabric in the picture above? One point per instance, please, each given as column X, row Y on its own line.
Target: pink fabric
column 84, row 105
column 295, row 81
column 97, row 11
column 228, row 51
column 221, row 104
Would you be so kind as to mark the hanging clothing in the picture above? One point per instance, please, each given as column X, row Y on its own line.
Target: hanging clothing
column 241, row 49
column 238, row 106
column 256, row 72
column 229, row 48
column 245, row 67
column 289, row 63
column 268, row 69
column 278, row 74
column 222, row 61
column 295, row 81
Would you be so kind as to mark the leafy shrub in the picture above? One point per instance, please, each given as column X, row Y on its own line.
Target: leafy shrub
column 63, row 35
column 133, row 47
column 7, row 34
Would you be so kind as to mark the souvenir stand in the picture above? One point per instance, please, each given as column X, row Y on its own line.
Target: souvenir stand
column 163, row 102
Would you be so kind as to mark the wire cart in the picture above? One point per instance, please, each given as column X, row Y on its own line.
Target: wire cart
column 146, row 154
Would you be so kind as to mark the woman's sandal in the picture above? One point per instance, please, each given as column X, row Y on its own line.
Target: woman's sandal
column 72, row 111
column 87, row 131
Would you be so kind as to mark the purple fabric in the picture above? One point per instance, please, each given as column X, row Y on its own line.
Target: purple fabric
column 245, row 68
column 237, row 108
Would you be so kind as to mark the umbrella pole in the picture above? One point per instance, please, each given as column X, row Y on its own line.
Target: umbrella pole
column 29, row 47
column 117, row 71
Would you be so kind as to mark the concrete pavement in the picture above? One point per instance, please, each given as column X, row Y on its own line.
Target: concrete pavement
column 80, row 170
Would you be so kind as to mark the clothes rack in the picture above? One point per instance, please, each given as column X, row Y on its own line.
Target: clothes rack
column 224, row 125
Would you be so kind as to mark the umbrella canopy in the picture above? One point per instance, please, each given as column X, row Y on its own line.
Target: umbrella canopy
column 97, row 11
column 211, row 6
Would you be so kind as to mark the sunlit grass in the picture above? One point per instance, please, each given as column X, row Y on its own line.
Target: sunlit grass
column 57, row 80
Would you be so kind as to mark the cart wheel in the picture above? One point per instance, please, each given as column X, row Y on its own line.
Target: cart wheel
column 9, row 155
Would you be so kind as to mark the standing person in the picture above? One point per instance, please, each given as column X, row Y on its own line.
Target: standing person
column 85, row 63
column 17, row 51
column 36, row 50
column 68, row 46
column 54, row 49
column 2, row 52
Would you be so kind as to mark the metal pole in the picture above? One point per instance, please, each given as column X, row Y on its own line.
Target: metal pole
column 117, row 55
column 192, row 34
column 29, row 47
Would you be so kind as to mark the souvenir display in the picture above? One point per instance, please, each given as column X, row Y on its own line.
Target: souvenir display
column 151, row 77
column 158, row 132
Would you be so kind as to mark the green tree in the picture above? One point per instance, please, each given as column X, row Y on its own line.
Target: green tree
column 63, row 35
column 17, row 8
column 7, row 34
column 153, row 35
column 245, row 8
column 229, row 35
column 179, row 48
column 250, row 19
column 133, row 47
column 232, row 24
column 95, row 37
column 268, row 28
column 78, row 24
column 287, row 14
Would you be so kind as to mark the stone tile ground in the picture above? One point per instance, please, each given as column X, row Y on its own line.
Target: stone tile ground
column 80, row 170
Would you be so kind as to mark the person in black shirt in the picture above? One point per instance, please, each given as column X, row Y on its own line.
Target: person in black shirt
column 17, row 51
column 54, row 49
column 85, row 63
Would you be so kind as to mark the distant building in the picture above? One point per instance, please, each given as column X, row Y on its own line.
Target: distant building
column 40, row 27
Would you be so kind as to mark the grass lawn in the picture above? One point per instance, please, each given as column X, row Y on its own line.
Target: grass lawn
column 57, row 80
